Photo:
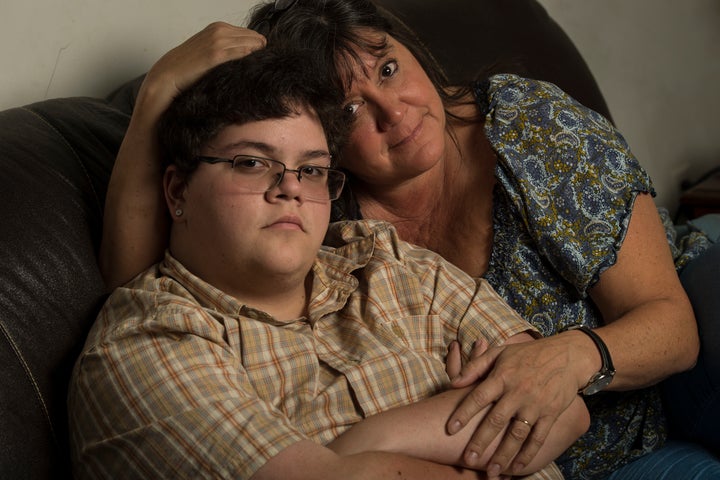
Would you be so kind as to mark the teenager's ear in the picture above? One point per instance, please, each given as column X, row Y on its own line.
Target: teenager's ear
column 174, row 185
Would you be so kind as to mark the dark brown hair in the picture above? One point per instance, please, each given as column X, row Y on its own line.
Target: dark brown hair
column 269, row 83
column 335, row 29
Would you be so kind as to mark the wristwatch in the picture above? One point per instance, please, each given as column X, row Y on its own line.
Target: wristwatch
column 601, row 379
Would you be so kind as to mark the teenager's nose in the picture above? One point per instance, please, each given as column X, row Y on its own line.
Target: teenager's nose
column 289, row 188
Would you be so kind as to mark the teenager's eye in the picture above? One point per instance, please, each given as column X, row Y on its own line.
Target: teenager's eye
column 311, row 171
column 250, row 164
column 389, row 69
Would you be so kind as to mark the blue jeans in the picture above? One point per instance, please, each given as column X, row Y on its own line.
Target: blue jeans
column 675, row 461
column 692, row 398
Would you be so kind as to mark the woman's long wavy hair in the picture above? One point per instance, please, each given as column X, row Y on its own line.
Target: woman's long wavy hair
column 335, row 31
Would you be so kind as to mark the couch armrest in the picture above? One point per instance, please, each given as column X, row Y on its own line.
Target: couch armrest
column 55, row 161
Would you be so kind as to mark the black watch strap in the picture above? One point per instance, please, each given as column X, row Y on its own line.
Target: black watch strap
column 601, row 379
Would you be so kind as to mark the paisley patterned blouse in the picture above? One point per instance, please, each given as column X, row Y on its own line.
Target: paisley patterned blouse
column 566, row 185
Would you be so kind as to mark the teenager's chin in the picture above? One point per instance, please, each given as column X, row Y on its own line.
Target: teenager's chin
column 284, row 261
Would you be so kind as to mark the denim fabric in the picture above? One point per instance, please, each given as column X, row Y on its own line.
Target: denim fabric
column 675, row 461
column 692, row 398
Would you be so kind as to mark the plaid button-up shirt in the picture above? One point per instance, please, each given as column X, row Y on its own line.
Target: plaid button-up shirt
column 179, row 380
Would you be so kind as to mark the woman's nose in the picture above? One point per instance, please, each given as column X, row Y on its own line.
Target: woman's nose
column 389, row 112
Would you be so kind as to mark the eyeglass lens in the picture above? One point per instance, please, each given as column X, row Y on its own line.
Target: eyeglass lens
column 262, row 174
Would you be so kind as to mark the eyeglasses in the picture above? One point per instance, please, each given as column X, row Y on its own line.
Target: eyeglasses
column 259, row 175
column 264, row 26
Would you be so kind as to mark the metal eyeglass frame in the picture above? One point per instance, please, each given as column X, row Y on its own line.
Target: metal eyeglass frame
column 337, row 182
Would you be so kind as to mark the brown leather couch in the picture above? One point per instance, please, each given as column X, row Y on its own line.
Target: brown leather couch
column 55, row 161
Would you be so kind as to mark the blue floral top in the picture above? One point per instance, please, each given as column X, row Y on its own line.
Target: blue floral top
column 566, row 185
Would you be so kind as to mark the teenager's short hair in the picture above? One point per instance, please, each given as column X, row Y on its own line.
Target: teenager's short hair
column 267, row 84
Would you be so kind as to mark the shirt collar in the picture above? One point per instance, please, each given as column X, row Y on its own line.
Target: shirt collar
column 348, row 246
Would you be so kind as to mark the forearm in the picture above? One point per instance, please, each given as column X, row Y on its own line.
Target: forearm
column 650, row 327
column 418, row 430
column 306, row 460
column 135, row 221
column 651, row 342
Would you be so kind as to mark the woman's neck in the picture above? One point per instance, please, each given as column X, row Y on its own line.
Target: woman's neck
column 447, row 209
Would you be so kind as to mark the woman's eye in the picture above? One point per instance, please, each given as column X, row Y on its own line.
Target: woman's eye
column 389, row 69
column 352, row 108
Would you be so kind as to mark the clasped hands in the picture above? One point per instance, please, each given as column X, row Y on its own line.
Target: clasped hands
column 522, row 388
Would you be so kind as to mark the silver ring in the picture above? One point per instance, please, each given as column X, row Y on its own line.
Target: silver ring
column 523, row 421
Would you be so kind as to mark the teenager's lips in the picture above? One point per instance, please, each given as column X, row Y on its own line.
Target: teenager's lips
column 409, row 138
column 287, row 222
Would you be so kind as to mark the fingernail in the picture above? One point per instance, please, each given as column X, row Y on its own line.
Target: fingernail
column 471, row 457
column 493, row 470
column 518, row 467
column 454, row 427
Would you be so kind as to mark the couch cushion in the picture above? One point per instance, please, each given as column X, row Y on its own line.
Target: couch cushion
column 55, row 161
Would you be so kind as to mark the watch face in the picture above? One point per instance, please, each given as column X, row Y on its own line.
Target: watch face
column 599, row 383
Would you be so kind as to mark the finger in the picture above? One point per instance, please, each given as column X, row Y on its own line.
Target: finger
column 453, row 362
column 483, row 395
column 480, row 346
column 498, row 421
column 535, row 441
column 518, row 431
column 476, row 368
column 224, row 45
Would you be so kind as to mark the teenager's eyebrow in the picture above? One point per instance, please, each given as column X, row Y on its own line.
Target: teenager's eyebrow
column 262, row 147
column 315, row 154
column 270, row 151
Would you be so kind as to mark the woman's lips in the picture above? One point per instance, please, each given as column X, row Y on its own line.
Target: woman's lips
column 409, row 138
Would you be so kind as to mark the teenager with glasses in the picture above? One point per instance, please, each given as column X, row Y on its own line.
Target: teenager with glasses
column 512, row 181
column 250, row 350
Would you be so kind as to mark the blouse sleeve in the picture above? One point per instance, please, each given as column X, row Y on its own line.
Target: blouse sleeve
column 566, row 170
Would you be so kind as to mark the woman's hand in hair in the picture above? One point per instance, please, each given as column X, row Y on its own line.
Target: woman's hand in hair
column 182, row 66
column 136, row 224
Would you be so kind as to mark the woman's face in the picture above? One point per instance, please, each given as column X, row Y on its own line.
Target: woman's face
column 399, row 127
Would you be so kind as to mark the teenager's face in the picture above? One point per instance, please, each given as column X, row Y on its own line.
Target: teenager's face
column 229, row 236
column 399, row 128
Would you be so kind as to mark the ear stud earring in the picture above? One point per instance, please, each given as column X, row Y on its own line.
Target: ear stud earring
column 178, row 212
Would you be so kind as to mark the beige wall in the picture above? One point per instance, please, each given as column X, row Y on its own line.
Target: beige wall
column 658, row 65
column 656, row 62
column 57, row 48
